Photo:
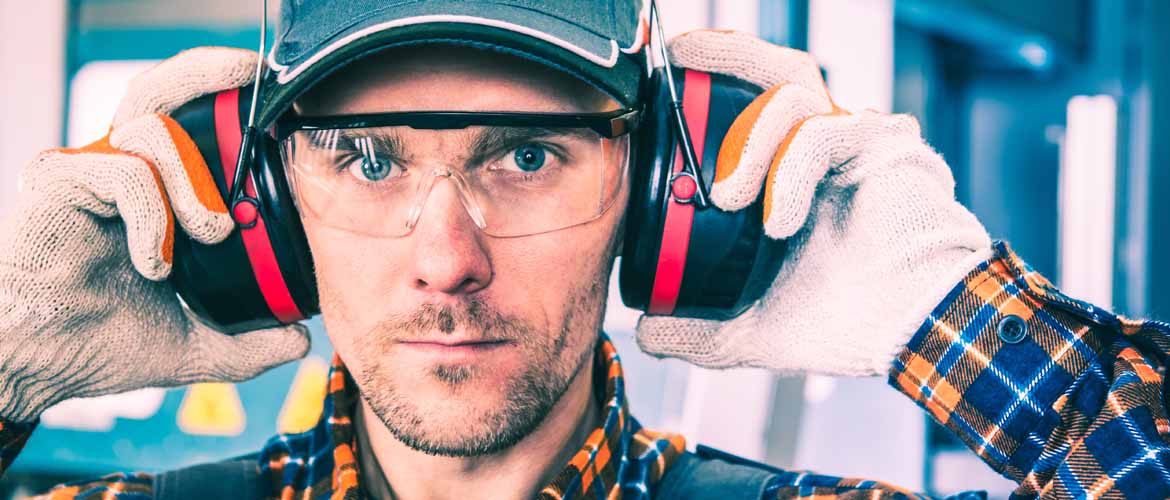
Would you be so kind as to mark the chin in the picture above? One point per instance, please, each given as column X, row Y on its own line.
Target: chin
column 436, row 388
column 458, row 410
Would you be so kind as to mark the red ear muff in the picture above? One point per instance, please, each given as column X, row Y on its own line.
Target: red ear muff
column 678, row 259
column 262, row 274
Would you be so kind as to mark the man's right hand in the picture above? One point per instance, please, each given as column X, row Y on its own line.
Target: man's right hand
column 85, row 308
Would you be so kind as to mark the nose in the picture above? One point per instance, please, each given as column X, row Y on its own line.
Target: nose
column 450, row 255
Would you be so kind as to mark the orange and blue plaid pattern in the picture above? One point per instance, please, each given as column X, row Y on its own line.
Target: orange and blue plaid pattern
column 797, row 485
column 1070, row 404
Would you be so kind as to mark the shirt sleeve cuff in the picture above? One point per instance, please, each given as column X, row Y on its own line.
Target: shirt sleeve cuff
column 991, row 361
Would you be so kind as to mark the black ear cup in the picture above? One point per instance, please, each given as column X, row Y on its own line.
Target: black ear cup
column 679, row 260
column 262, row 275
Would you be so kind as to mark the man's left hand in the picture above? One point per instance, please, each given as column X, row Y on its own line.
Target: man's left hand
column 876, row 237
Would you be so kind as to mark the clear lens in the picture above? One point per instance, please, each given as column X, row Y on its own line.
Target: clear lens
column 513, row 181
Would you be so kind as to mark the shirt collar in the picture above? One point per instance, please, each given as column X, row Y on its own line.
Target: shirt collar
column 619, row 459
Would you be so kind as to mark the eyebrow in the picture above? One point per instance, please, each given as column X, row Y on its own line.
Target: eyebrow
column 494, row 139
column 366, row 141
column 485, row 142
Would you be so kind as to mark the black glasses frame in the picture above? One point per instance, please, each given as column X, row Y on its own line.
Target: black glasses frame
column 609, row 124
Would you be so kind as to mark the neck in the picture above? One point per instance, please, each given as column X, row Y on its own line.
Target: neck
column 390, row 469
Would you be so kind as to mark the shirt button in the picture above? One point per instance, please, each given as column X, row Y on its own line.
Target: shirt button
column 1012, row 329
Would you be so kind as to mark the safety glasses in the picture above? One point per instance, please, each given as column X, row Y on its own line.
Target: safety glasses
column 515, row 174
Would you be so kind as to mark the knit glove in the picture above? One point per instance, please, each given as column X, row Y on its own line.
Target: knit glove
column 85, row 308
column 876, row 238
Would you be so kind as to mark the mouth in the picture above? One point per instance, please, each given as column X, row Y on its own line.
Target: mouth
column 453, row 350
column 456, row 342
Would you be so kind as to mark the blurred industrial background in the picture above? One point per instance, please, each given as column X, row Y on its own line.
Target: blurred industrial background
column 1047, row 110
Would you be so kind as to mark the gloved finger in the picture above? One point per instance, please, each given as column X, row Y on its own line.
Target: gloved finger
column 746, row 57
column 821, row 146
column 184, row 77
column 803, row 159
column 895, row 132
column 111, row 179
column 697, row 341
column 193, row 194
column 751, row 143
column 212, row 356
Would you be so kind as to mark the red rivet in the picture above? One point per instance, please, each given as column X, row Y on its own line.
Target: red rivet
column 245, row 213
column 683, row 188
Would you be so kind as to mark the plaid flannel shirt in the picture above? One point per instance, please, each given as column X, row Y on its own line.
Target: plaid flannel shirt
column 1063, row 397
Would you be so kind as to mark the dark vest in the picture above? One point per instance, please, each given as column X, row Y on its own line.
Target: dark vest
column 707, row 473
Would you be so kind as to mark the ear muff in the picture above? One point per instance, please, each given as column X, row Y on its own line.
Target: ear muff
column 262, row 275
column 677, row 259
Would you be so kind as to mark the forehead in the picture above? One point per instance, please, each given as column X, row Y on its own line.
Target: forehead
column 449, row 78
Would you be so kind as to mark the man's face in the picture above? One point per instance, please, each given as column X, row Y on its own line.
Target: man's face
column 460, row 342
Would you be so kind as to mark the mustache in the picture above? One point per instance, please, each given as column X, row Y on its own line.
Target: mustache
column 473, row 315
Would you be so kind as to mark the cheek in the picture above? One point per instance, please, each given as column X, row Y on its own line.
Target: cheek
column 354, row 280
column 555, row 271
column 548, row 263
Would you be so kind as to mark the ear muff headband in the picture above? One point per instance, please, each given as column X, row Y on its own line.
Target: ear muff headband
column 680, row 215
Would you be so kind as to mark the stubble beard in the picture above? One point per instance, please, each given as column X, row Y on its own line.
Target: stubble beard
column 553, row 360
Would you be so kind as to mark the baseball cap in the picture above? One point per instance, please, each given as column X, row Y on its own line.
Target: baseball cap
column 597, row 41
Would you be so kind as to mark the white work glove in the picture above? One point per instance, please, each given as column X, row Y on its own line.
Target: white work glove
column 85, row 308
column 876, row 238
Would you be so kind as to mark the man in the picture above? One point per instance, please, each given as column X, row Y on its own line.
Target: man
column 469, row 359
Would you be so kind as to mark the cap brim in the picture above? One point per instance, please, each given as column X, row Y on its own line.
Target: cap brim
column 589, row 56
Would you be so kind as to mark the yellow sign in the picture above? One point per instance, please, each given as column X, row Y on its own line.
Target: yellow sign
column 212, row 409
column 306, row 398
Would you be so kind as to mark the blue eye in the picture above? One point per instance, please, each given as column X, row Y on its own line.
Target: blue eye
column 371, row 168
column 376, row 169
column 529, row 157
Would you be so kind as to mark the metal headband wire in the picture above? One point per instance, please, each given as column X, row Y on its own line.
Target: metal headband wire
column 662, row 50
column 259, row 62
